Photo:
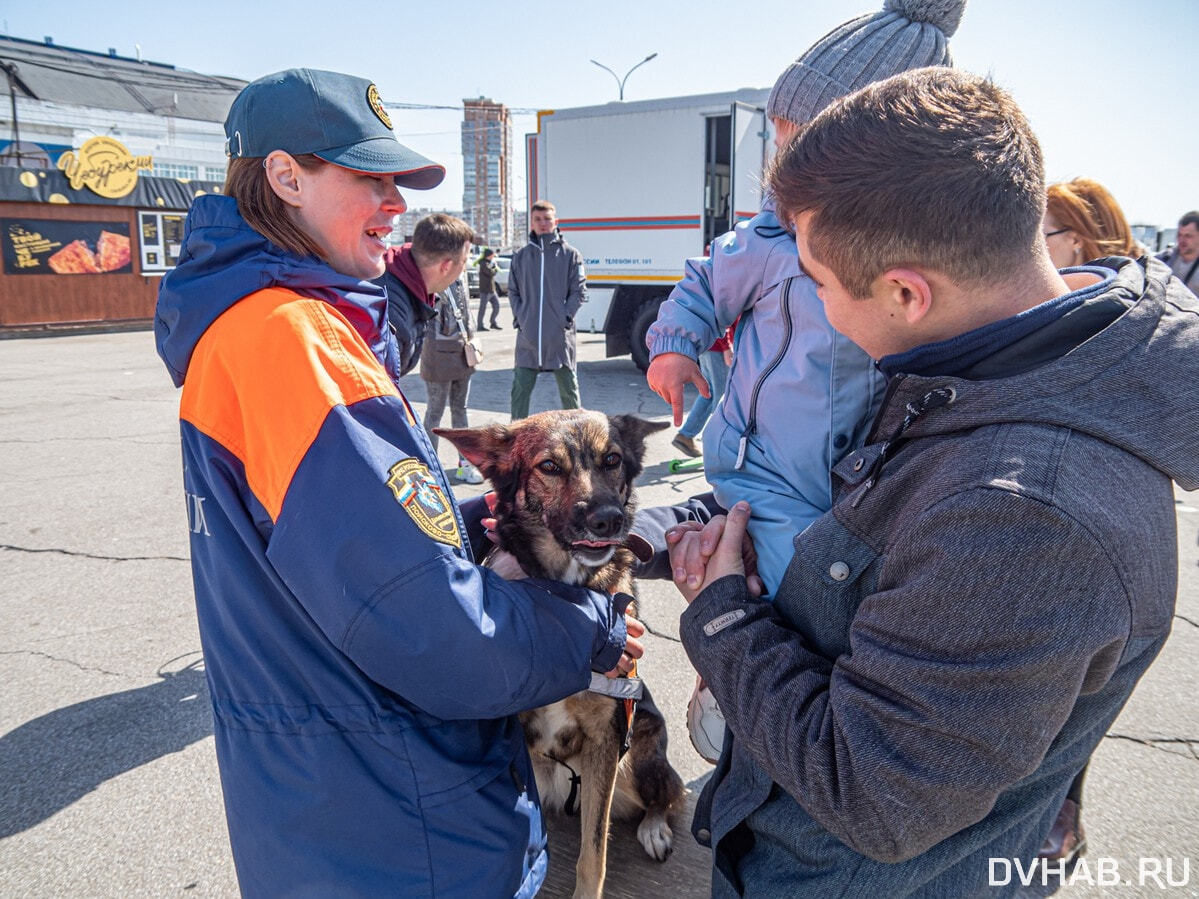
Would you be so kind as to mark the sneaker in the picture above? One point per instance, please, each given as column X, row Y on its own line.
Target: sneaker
column 468, row 474
column 705, row 722
column 685, row 444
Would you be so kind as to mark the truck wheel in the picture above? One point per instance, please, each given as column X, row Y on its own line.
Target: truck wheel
column 646, row 316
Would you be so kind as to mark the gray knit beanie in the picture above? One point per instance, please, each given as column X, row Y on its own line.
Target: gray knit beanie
column 907, row 34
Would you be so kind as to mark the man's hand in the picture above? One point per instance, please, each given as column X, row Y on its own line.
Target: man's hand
column 701, row 555
column 633, row 649
column 669, row 373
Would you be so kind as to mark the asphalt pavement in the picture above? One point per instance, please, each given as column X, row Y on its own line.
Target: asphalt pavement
column 108, row 780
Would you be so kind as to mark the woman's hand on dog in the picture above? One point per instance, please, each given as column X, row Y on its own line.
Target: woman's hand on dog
column 505, row 565
column 702, row 553
column 633, row 648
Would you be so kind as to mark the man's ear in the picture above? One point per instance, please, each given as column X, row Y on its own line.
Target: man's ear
column 283, row 175
column 909, row 292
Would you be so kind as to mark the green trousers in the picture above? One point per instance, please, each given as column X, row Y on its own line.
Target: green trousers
column 524, row 379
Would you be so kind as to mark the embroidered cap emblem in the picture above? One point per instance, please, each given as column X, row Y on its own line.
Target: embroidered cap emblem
column 419, row 494
column 376, row 104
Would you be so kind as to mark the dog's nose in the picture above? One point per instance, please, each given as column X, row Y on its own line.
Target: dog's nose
column 605, row 521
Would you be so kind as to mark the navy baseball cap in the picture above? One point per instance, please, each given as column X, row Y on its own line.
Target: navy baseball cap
column 338, row 118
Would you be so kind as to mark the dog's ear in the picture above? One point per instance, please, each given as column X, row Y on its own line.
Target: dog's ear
column 634, row 430
column 489, row 449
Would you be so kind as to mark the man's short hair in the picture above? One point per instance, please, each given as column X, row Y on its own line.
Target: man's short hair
column 543, row 206
column 932, row 167
column 440, row 236
column 1189, row 218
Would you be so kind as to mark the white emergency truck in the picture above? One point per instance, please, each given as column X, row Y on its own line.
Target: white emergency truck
column 642, row 186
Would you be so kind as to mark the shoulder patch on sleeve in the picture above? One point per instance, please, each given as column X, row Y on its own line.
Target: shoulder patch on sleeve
column 419, row 494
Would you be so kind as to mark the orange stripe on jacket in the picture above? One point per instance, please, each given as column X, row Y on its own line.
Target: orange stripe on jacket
column 264, row 376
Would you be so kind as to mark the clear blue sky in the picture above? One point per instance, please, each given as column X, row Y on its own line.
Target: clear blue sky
column 1110, row 87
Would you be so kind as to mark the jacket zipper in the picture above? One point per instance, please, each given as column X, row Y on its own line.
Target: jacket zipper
column 751, row 426
column 540, row 302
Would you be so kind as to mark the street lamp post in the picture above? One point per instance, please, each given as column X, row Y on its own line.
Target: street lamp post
column 620, row 81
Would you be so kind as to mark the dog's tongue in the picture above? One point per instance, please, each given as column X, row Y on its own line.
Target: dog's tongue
column 595, row 544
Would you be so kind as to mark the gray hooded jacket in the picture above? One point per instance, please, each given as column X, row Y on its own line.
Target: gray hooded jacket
column 953, row 639
column 546, row 286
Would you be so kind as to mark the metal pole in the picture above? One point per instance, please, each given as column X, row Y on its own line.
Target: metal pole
column 11, row 70
column 620, row 81
column 619, row 86
column 630, row 72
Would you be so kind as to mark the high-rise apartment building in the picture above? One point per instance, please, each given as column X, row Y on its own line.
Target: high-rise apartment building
column 487, row 170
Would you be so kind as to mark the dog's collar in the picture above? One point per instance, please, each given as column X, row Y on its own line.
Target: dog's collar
column 640, row 547
column 616, row 687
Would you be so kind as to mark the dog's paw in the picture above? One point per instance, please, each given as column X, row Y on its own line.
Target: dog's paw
column 656, row 836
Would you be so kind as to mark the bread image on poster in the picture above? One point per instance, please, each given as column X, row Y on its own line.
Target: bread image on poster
column 112, row 251
column 75, row 258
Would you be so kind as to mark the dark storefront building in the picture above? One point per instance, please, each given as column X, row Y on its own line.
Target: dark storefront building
column 101, row 156
column 73, row 258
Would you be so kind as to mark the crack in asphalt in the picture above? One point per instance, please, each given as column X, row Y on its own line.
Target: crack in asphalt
column 649, row 629
column 1192, row 744
column 1187, row 620
column 83, row 555
column 72, row 662
column 140, row 440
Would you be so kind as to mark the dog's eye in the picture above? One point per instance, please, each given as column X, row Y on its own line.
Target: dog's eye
column 612, row 460
column 549, row 466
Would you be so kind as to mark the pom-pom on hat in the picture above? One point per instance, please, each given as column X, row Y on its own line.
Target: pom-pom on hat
column 907, row 34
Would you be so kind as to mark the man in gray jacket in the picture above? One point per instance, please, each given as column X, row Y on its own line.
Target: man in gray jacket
column 546, row 286
column 953, row 639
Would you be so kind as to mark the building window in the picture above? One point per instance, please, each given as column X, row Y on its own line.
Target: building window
column 175, row 170
column 214, row 173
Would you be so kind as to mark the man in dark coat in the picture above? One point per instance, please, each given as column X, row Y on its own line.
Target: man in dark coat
column 488, row 269
column 545, row 289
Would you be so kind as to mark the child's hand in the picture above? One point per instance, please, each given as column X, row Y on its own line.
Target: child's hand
column 669, row 373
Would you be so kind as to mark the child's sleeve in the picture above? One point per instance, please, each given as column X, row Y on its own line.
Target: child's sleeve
column 714, row 291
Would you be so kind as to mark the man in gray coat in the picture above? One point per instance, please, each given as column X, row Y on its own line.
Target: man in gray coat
column 953, row 639
column 546, row 286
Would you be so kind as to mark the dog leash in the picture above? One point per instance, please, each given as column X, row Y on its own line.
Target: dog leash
column 627, row 689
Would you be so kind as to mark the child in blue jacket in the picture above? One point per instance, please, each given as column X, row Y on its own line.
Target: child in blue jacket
column 799, row 396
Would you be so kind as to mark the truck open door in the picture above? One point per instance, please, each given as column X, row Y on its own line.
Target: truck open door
column 748, row 161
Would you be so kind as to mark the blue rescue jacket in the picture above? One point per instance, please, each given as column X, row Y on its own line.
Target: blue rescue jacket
column 365, row 675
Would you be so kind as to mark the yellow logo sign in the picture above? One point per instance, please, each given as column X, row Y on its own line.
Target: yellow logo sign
column 419, row 494
column 376, row 104
column 105, row 165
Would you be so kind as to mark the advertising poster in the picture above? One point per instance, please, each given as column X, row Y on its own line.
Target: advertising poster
column 41, row 247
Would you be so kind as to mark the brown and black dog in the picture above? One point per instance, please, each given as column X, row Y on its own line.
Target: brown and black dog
column 564, row 504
